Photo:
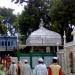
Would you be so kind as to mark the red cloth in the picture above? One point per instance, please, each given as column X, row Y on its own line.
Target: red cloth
column 8, row 61
column 60, row 72
column 49, row 71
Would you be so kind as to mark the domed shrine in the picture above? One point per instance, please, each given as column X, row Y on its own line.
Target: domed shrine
column 43, row 39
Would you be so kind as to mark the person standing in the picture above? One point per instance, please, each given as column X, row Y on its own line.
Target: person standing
column 8, row 61
column 26, row 69
column 12, row 69
column 54, row 68
column 4, row 62
column 41, row 68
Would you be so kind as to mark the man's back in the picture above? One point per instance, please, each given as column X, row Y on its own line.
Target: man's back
column 26, row 70
column 12, row 69
column 55, row 69
column 40, row 69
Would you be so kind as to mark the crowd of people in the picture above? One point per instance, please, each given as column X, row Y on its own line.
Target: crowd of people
column 20, row 68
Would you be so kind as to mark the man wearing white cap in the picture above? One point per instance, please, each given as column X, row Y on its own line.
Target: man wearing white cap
column 54, row 69
column 26, row 69
column 12, row 69
column 40, row 69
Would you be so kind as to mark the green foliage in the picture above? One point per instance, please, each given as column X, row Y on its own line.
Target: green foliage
column 56, row 14
column 7, row 13
column 1, row 18
column 62, row 12
column 55, row 10
column 26, row 22
column 2, row 27
column 69, row 10
column 29, row 20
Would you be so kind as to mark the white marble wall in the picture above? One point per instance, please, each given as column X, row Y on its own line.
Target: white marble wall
column 65, row 59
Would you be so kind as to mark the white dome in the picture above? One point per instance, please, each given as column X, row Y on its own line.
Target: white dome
column 44, row 33
column 43, row 37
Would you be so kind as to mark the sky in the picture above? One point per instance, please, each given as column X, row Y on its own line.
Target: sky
column 8, row 4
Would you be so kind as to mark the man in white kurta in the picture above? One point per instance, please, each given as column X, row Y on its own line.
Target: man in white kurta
column 40, row 69
column 26, row 69
column 12, row 69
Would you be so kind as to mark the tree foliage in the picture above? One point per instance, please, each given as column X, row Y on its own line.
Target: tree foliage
column 2, row 26
column 7, row 13
column 29, row 20
column 62, row 13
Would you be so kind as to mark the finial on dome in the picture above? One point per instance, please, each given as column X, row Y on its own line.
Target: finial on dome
column 41, row 23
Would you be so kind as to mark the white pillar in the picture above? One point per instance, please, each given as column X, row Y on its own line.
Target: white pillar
column 57, row 49
column 65, row 54
column 73, row 33
column 57, row 46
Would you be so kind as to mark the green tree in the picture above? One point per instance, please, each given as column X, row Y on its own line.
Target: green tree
column 62, row 13
column 56, row 14
column 29, row 20
column 2, row 26
column 8, row 13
